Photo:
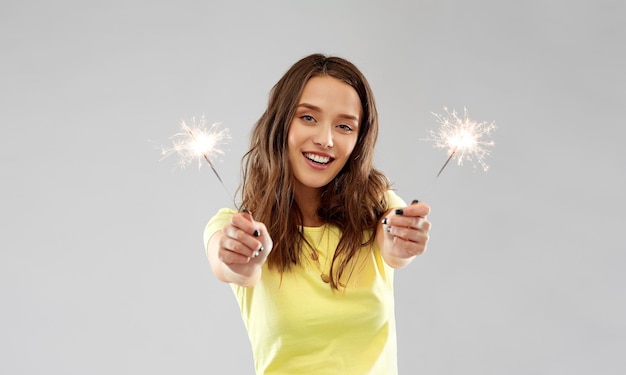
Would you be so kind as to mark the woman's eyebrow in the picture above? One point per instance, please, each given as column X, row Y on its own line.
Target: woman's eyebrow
column 318, row 109
column 310, row 106
column 349, row 117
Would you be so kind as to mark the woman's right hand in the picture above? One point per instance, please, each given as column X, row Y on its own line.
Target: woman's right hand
column 244, row 245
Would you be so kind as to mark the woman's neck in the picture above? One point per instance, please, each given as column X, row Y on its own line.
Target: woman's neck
column 308, row 200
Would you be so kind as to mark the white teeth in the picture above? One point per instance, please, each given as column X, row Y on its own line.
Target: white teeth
column 317, row 158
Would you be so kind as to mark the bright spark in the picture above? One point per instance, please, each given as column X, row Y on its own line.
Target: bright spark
column 196, row 141
column 463, row 138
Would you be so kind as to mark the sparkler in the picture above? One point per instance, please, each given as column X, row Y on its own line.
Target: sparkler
column 464, row 138
column 197, row 141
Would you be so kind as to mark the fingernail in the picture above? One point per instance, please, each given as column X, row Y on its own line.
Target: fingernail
column 256, row 254
column 385, row 221
column 388, row 229
column 260, row 249
column 415, row 201
column 256, row 233
column 243, row 209
column 399, row 211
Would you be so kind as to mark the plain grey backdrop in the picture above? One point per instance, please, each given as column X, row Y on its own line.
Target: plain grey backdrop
column 102, row 266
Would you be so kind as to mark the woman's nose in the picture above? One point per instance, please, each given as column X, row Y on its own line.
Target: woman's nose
column 324, row 136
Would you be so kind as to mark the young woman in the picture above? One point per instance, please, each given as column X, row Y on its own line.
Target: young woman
column 311, row 257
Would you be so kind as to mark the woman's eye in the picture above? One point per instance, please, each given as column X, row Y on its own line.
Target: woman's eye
column 307, row 118
column 345, row 127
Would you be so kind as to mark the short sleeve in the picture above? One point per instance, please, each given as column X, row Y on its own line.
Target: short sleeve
column 217, row 222
column 393, row 200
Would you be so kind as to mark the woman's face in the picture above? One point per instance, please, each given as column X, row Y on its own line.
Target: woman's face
column 324, row 130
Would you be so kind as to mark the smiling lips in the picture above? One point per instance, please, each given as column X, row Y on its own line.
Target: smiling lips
column 318, row 159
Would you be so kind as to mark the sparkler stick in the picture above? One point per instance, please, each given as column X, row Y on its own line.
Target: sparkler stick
column 199, row 142
column 447, row 161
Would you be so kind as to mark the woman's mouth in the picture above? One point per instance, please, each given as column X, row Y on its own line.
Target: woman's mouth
column 318, row 159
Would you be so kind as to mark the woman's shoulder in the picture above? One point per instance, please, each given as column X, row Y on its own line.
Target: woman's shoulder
column 217, row 222
column 393, row 199
column 226, row 211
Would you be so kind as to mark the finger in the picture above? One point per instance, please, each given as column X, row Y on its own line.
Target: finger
column 246, row 223
column 418, row 223
column 409, row 234
column 240, row 242
column 231, row 251
column 231, row 257
column 414, row 222
column 259, row 230
column 415, row 209
column 406, row 248
column 407, row 216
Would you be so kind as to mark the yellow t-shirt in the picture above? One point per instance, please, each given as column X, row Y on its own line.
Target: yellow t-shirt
column 298, row 325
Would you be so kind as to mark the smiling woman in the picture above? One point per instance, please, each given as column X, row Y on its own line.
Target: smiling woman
column 322, row 135
column 312, row 271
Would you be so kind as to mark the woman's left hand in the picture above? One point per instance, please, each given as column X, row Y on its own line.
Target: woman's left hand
column 405, row 234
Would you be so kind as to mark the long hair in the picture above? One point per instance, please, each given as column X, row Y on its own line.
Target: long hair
column 353, row 201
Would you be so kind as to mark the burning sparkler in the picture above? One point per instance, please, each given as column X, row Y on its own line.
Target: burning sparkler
column 197, row 141
column 464, row 138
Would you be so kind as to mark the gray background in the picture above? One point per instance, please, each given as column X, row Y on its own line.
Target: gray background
column 102, row 268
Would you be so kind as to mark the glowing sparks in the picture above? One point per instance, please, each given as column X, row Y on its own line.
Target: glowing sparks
column 463, row 138
column 197, row 141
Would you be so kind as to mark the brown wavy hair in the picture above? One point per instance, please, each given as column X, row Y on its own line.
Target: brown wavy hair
column 353, row 201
